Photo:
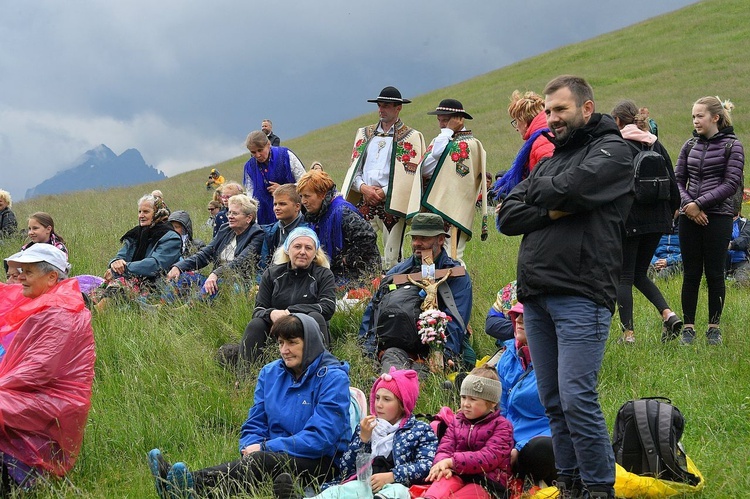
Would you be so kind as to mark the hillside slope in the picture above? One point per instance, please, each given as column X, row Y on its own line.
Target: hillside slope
column 158, row 385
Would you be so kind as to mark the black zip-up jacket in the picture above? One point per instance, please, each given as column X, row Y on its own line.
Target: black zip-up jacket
column 298, row 290
column 589, row 176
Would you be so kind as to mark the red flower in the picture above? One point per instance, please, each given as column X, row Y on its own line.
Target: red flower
column 359, row 142
column 405, row 158
column 413, row 154
column 454, row 156
column 408, row 146
column 464, row 154
column 463, row 146
column 355, row 154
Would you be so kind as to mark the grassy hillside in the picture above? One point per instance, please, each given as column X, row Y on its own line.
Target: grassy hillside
column 158, row 385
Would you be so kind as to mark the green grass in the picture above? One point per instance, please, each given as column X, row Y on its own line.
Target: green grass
column 157, row 384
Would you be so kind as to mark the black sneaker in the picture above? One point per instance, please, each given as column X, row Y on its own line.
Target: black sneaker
column 688, row 336
column 713, row 336
column 672, row 328
column 283, row 488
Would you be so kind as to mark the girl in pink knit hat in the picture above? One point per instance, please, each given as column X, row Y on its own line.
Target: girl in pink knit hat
column 400, row 447
column 474, row 454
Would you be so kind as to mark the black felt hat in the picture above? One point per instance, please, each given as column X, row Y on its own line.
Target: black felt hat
column 451, row 106
column 390, row 94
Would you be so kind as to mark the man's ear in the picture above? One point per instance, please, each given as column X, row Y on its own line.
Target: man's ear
column 588, row 109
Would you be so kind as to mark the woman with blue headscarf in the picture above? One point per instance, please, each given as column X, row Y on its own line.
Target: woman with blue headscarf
column 299, row 281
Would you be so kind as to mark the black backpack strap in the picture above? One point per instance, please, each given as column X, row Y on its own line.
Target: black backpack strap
column 664, row 437
column 447, row 295
column 640, row 414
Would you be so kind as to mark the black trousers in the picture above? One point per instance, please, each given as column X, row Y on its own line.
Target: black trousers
column 636, row 257
column 536, row 461
column 241, row 476
column 704, row 247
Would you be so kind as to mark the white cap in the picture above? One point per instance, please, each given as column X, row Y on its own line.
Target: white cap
column 42, row 252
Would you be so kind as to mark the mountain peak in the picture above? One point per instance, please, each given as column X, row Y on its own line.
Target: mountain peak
column 99, row 168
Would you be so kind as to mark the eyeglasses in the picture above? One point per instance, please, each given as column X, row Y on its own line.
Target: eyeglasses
column 235, row 213
column 514, row 124
column 212, row 209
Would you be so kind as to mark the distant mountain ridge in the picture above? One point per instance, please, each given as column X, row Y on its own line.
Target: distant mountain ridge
column 99, row 168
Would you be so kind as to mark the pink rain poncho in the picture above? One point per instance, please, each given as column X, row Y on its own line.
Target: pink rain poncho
column 46, row 375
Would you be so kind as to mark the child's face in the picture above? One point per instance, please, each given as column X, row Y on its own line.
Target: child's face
column 474, row 408
column 388, row 406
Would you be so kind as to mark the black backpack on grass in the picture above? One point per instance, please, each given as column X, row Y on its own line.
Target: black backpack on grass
column 646, row 440
column 651, row 177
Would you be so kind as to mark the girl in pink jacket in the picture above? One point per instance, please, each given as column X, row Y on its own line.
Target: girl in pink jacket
column 473, row 457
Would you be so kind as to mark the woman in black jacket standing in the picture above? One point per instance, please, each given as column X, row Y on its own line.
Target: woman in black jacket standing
column 299, row 281
column 647, row 221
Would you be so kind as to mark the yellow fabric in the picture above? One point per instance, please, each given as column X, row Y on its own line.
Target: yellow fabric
column 630, row 485
column 402, row 174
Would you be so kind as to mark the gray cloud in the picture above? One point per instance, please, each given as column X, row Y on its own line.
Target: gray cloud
column 183, row 82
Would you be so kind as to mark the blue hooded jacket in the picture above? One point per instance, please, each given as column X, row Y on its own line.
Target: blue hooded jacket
column 306, row 417
column 519, row 402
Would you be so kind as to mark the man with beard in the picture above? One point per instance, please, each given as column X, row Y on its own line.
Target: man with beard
column 571, row 211
column 267, row 127
column 404, row 350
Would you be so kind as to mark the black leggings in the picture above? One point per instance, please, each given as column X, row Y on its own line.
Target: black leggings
column 536, row 461
column 636, row 257
column 704, row 248
column 257, row 334
column 243, row 475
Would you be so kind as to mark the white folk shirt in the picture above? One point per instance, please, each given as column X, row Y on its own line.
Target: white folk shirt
column 438, row 146
column 377, row 168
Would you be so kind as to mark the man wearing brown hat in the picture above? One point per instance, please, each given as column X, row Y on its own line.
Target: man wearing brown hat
column 453, row 172
column 379, row 180
column 391, row 336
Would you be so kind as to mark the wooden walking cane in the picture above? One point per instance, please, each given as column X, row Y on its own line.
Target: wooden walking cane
column 454, row 241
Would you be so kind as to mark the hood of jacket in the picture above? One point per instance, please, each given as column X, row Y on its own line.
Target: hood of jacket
column 183, row 218
column 632, row 132
column 314, row 344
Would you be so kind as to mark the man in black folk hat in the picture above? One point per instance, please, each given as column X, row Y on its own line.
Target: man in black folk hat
column 453, row 171
column 379, row 180
column 388, row 330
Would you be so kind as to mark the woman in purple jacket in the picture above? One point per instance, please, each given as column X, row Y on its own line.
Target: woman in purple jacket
column 709, row 172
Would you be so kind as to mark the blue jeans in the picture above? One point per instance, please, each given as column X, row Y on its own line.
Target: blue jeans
column 567, row 336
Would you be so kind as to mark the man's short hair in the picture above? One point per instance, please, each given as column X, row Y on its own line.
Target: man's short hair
column 268, row 121
column 288, row 190
column 579, row 87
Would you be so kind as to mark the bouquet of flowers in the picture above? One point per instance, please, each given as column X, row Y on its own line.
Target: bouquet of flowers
column 432, row 326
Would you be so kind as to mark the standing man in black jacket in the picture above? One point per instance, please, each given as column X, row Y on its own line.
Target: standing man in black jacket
column 571, row 211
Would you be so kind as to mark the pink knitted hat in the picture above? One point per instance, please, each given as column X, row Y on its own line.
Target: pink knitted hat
column 403, row 383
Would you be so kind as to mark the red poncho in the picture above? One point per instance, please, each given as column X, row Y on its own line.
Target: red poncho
column 45, row 375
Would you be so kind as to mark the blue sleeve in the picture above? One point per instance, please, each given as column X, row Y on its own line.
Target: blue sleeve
column 366, row 332
column 498, row 326
column 126, row 251
column 165, row 253
column 330, row 420
column 255, row 428
column 202, row 258
column 415, row 467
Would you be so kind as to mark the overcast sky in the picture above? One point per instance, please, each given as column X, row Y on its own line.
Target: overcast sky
column 185, row 81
